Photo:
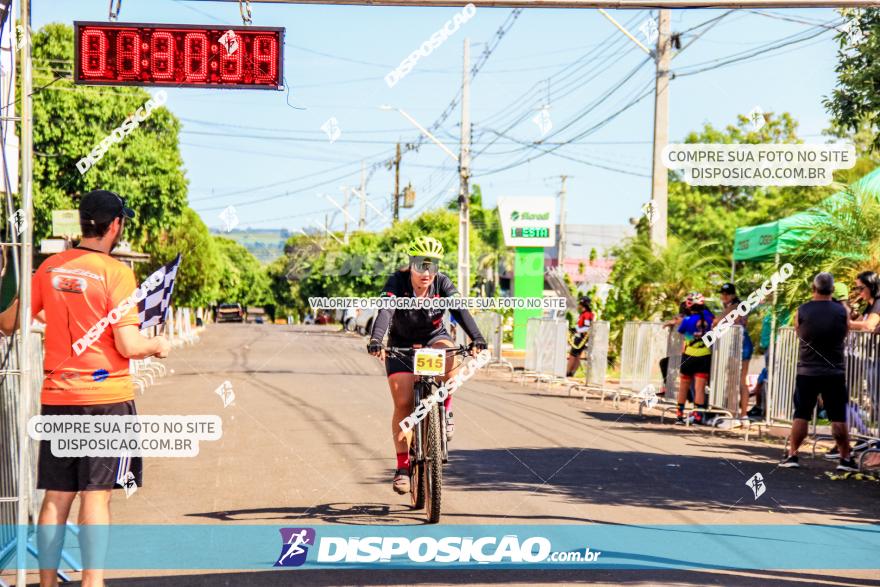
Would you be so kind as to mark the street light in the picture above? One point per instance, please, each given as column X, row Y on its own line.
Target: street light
column 464, row 213
column 424, row 131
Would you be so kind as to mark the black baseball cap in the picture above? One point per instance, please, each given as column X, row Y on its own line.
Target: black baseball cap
column 101, row 206
column 728, row 288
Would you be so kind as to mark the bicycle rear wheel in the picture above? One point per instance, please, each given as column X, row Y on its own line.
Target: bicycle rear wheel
column 433, row 465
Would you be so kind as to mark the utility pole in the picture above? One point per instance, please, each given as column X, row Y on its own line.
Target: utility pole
column 560, row 254
column 345, row 214
column 464, row 161
column 659, row 180
column 362, row 223
column 397, row 184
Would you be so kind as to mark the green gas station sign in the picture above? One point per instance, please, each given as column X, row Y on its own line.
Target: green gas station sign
column 528, row 225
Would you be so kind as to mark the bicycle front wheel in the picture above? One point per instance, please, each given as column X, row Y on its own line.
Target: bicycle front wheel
column 416, row 484
column 433, row 466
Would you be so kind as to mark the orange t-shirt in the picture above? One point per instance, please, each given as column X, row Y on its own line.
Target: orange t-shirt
column 77, row 288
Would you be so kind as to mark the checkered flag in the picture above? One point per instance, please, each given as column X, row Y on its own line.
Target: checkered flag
column 153, row 309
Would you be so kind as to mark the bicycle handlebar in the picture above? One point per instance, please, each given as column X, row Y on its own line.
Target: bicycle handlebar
column 404, row 350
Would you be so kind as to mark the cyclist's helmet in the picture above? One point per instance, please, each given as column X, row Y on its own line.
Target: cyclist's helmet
column 426, row 246
column 694, row 299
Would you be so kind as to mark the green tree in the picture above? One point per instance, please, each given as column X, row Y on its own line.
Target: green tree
column 712, row 213
column 855, row 101
column 845, row 240
column 285, row 290
column 198, row 278
column 69, row 120
column 650, row 282
column 243, row 279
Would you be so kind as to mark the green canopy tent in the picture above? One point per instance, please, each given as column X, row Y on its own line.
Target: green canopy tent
column 772, row 239
column 766, row 241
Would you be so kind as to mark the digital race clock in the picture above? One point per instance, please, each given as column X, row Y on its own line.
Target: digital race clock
column 178, row 55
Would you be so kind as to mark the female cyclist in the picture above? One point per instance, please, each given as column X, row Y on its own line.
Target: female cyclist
column 413, row 328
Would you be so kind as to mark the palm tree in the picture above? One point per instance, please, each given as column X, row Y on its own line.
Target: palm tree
column 648, row 282
column 844, row 239
column 656, row 279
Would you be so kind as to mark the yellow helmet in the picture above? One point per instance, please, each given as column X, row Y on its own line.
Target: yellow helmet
column 426, row 246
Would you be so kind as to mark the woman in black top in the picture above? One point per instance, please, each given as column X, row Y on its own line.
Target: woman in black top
column 412, row 328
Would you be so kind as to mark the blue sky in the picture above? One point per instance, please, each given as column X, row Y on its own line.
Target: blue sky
column 241, row 146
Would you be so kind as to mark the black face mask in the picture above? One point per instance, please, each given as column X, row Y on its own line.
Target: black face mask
column 424, row 265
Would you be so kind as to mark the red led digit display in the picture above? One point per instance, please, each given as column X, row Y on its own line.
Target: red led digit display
column 128, row 54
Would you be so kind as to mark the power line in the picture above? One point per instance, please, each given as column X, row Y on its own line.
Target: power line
column 615, row 87
column 590, row 130
column 760, row 51
column 298, row 192
column 610, row 42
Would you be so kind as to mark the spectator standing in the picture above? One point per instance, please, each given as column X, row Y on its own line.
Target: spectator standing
column 696, row 360
column 72, row 292
column 581, row 331
column 731, row 301
column 867, row 288
column 821, row 326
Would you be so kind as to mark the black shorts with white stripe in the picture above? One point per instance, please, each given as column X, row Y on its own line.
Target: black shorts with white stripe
column 86, row 473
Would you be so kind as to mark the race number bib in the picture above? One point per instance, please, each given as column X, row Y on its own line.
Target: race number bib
column 429, row 362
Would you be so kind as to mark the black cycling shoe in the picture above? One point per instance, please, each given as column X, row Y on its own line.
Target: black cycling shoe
column 790, row 462
column 401, row 481
column 848, row 465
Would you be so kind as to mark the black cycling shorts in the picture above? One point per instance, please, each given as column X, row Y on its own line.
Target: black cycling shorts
column 86, row 473
column 404, row 364
column 692, row 366
column 832, row 388
column 579, row 345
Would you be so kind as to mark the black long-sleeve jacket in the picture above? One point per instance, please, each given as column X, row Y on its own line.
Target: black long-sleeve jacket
column 419, row 326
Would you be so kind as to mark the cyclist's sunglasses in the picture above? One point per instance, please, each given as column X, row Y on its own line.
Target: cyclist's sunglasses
column 424, row 265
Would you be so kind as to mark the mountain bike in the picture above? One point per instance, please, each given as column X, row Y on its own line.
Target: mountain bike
column 428, row 449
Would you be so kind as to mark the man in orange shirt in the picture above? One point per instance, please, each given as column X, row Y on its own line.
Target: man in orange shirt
column 75, row 290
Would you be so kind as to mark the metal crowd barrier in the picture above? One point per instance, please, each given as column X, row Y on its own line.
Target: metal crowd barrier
column 596, row 361
column 674, row 347
column 862, row 353
column 725, row 378
column 596, row 368
column 862, row 356
column 862, row 365
column 491, row 325
column 546, row 349
column 644, row 344
column 726, row 374
column 179, row 327
column 10, row 397
column 145, row 372
column 780, row 385
column 10, row 488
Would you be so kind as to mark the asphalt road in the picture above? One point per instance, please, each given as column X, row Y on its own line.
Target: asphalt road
column 307, row 442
